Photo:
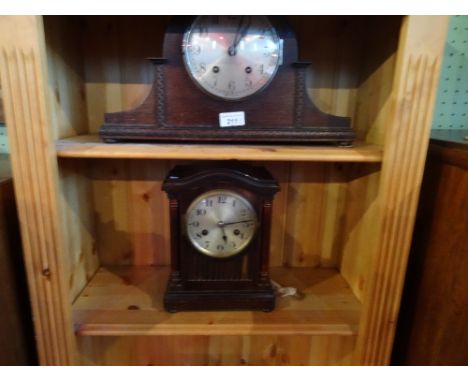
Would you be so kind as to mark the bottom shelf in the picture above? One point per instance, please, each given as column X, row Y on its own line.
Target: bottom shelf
column 127, row 300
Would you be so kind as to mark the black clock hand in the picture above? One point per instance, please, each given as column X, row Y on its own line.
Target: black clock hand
column 245, row 28
column 232, row 49
column 222, row 224
column 224, row 234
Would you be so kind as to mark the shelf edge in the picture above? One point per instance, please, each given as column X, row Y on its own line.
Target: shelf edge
column 89, row 146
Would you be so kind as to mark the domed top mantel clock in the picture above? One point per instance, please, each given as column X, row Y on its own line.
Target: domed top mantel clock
column 228, row 78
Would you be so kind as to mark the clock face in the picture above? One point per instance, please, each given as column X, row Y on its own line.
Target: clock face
column 220, row 223
column 231, row 57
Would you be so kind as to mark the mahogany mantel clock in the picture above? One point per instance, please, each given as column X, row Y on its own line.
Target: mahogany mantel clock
column 220, row 233
column 228, row 78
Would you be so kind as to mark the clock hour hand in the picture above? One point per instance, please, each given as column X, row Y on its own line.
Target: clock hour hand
column 224, row 234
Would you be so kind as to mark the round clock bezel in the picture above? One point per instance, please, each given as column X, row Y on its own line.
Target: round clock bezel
column 211, row 193
column 206, row 90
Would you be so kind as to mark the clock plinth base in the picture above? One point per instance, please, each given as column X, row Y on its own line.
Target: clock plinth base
column 179, row 300
column 340, row 135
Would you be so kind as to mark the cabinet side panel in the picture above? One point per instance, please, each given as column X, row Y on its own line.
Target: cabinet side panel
column 65, row 63
column 76, row 208
column 217, row 350
column 360, row 231
column 376, row 78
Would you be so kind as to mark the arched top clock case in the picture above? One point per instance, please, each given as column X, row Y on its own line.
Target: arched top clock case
column 218, row 276
column 179, row 109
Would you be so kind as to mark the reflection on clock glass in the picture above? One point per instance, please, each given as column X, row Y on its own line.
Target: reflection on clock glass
column 231, row 57
column 220, row 223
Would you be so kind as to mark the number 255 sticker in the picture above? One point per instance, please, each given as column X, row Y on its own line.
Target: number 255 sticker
column 235, row 118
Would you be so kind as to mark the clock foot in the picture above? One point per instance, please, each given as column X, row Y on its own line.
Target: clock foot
column 224, row 300
column 344, row 143
column 110, row 140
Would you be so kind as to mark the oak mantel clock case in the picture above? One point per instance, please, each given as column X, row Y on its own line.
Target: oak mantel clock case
column 228, row 78
column 220, row 236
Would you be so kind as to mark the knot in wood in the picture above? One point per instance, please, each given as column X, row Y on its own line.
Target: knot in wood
column 46, row 273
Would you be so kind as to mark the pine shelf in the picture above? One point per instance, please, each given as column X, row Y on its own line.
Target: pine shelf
column 127, row 300
column 90, row 146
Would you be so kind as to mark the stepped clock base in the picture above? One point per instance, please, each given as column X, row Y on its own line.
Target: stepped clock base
column 176, row 300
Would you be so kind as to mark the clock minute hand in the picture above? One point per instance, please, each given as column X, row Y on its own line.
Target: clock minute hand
column 232, row 49
column 229, row 223
column 245, row 27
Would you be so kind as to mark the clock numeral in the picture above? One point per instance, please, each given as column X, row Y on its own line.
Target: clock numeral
column 195, row 49
column 241, row 235
column 207, row 244
column 222, row 199
column 234, row 202
column 202, row 30
column 234, row 245
column 243, row 212
column 202, row 68
column 220, row 247
column 195, row 224
column 232, row 86
column 208, row 203
column 261, row 69
column 248, row 84
column 201, row 212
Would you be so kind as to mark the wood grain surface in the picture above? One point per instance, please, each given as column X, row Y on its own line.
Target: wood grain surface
column 407, row 135
column 24, row 83
column 328, row 308
column 90, row 146
column 267, row 350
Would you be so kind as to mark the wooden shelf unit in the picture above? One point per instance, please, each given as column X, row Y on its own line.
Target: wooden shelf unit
column 94, row 220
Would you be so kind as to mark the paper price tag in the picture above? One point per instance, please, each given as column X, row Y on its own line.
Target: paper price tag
column 235, row 118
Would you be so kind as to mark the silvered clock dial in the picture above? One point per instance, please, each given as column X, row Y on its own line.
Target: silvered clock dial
column 232, row 57
column 220, row 223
